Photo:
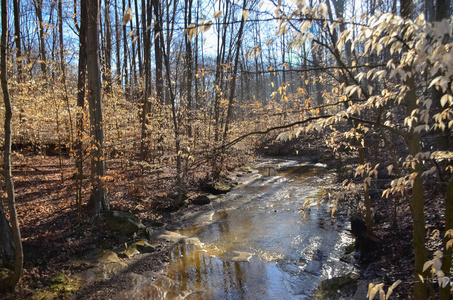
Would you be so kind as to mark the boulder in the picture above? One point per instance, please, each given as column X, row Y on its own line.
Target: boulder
column 218, row 188
column 123, row 222
column 201, row 200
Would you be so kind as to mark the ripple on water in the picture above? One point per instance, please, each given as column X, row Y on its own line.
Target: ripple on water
column 257, row 244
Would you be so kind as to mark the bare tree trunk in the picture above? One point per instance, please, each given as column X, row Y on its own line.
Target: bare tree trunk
column 81, row 101
column 188, row 64
column 133, row 80
column 146, row 19
column 445, row 293
column 17, row 38
column 63, row 79
column 166, row 61
column 6, row 241
column 98, row 192
column 11, row 282
column 158, row 40
column 417, row 198
column 233, row 76
column 108, row 49
column 125, row 56
column 118, row 43
column 139, row 48
column 42, row 47
column 442, row 11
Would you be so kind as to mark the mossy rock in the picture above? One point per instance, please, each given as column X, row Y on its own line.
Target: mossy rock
column 218, row 188
column 123, row 222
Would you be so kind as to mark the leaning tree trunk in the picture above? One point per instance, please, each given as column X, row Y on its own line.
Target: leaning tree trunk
column 10, row 283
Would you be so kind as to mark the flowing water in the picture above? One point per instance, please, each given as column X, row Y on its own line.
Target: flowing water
column 269, row 238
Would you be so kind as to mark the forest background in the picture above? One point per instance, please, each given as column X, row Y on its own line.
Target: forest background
column 185, row 89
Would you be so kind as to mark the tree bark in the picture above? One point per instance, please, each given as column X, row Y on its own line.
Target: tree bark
column 188, row 64
column 158, row 40
column 6, row 241
column 108, row 48
column 42, row 47
column 139, row 48
column 445, row 293
column 98, row 192
column 17, row 38
column 81, row 80
column 233, row 75
column 11, row 282
column 118, row 45
column 146, row 19
column 417, row 197
column 125, row 56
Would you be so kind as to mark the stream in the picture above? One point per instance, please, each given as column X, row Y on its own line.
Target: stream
column 269, row 238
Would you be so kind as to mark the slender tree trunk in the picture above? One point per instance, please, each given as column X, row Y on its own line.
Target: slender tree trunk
column 108, row 49
column 98, row 192
column 366, row 196
column 125, row 57
column 158, row 40
column 81, row 80
column 233, row 76
column 417, row 197
column 138, row 41
column 118, row 46
column 146, row 19
column 188, row 64
column 133, row 80
column 178, row 201
column 11, row 282
column 42, row 47
column 442, row 11
column 17, row 38
column 445, row 293
column 63, row 80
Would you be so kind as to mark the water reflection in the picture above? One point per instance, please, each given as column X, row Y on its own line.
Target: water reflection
column 280, row 255
column 294, row 172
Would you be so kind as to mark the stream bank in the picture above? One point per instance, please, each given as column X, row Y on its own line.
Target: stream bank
column 271, row 236
column 296, row 261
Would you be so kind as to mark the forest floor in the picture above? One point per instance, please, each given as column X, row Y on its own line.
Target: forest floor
column 53, row 234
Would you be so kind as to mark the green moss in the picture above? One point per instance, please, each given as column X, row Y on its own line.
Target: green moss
column 61, row 286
